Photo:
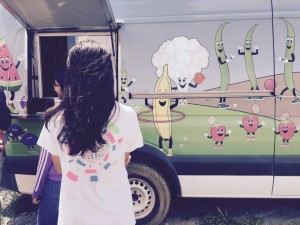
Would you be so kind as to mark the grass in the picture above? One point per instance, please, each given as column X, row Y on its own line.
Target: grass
column 223, row 218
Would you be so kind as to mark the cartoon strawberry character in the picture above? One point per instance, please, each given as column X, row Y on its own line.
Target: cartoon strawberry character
column 287, row 129
column 250, row 124
column 218, row 133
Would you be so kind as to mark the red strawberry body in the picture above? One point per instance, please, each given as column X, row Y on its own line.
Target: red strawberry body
column 287, row 129
column 250, row 123
column 218, row 132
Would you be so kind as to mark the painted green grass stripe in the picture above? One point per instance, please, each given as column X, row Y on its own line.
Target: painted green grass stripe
column 188, row 135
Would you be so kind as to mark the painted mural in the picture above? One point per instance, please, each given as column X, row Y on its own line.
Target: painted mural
column 288, row 61
column 13, row 78
column 287, row 110
column 185, row 59
column 217, row 132
column 214, row 56
column 241, row 125
column 124, row 83
column 286, row 129
column 248, row 54
column 21, row 137
column 223, row 64
column 9, row 76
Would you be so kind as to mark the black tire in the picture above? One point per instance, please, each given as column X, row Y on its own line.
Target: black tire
column 150, row 194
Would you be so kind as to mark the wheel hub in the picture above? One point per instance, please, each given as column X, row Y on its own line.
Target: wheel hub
column 143, row 197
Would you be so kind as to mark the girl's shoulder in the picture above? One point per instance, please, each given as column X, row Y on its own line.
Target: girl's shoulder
column 123, row 113
column 125, row 108
column 55, row 123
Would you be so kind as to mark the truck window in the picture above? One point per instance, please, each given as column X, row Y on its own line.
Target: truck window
column 54, row 51
column 51, row 55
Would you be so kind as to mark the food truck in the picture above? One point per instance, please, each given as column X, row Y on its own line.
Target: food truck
column 216, row 88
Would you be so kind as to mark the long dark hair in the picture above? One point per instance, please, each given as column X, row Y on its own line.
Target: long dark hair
column 88, row 98
column 60, row 77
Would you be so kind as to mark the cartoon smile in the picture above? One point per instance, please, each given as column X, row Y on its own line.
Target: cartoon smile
column 250, row 123
column 220, row 50
column 248, row 48
column 285, row 131
column 220, row 133
column 288, row 47
column 182, row 85
column 162, row 103
column 123, row 80
column 5, row 69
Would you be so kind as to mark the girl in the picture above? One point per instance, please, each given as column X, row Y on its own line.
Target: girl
column 89, row 135
column 48, row 179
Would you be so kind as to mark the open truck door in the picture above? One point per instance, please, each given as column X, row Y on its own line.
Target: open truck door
column 49, row 29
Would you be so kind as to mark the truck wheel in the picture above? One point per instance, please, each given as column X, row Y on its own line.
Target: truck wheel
column 150, row 194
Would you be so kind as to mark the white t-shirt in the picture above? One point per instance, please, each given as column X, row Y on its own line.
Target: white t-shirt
column 95, row 188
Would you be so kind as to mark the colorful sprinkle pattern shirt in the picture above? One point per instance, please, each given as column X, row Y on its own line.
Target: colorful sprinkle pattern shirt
column 95, row 188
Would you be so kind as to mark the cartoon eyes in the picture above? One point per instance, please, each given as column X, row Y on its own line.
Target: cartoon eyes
column 6, row 60
column 290, row 39
column 250, row 121
column 248, row 42
column 125, row 78
column 183, row 80
column 220, row 43
column 220, row 131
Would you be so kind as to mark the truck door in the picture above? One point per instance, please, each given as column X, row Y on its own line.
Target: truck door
column 217, row 69
column 287, row 68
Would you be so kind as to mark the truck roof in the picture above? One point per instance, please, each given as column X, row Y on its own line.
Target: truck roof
column 87, row 15
column 62, row 14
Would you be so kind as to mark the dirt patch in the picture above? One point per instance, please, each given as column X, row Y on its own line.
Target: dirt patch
column 241, row 211
column 16, row 209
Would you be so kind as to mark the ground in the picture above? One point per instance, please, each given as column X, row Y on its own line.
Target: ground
column 186, row 211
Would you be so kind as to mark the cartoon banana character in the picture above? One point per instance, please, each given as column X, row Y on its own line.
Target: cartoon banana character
column 161, row 109
column 248, row 53
column 288, row 63
column 124, row 83
column 223, row 64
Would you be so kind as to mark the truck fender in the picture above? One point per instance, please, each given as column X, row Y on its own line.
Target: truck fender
column 155, row 158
